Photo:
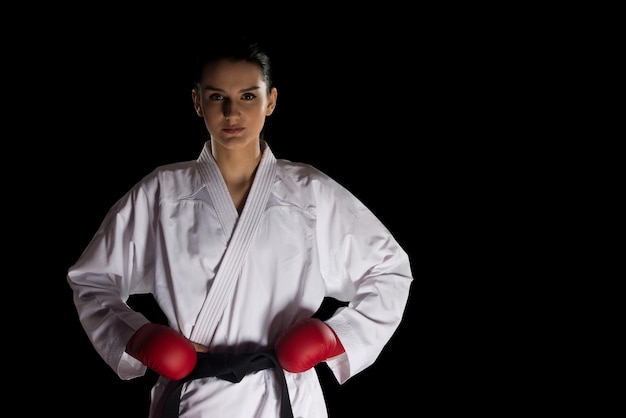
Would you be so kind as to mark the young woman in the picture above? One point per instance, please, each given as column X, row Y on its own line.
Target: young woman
column 240, row 249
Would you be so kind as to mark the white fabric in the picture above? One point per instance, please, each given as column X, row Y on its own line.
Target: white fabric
column 168, row 235
column 234, row 256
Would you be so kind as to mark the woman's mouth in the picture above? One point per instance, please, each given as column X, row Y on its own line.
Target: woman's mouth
column 233, row 130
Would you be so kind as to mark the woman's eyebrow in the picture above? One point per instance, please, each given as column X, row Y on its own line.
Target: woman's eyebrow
column 247, row 89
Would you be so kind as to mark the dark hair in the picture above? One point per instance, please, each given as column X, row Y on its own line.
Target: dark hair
column 238, row 48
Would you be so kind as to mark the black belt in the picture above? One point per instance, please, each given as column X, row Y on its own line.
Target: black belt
column 231, row 367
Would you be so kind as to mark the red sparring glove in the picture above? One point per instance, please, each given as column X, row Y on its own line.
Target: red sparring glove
column 305, row 344
column 163, row 350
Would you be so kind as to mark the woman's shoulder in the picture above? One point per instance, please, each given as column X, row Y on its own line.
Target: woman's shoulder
column 179, row 178
column 309, row 180
column 300, row 171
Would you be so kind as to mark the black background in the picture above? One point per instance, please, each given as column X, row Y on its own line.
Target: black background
column 450, row 124
column 105, row 98
column 119, row 104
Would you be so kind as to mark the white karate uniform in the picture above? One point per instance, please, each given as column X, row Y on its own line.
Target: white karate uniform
column 168, row 236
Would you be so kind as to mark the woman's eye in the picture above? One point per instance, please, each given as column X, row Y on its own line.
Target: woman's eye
column 216, row 97
column 249, row 96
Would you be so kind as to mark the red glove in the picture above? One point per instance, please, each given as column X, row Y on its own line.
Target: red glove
column 163, row 350
column 305, row 344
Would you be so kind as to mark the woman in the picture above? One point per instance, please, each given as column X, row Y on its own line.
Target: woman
column 239, row 249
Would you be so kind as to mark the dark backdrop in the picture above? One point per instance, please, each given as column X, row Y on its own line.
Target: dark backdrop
column 120, row 106
column 406, row 113
column 430, row 118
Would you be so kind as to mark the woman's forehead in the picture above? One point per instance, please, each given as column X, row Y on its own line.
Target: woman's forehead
column 229, row 72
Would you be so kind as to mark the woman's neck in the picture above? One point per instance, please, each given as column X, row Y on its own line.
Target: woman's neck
column 238, row 168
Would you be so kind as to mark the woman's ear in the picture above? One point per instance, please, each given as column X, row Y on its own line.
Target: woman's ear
column 271, row 102
column 196, row 102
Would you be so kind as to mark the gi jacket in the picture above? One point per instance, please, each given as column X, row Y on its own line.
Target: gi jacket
column 168, row 236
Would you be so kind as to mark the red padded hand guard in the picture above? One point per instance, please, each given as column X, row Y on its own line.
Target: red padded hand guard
column 163, row 350
column 305, row 344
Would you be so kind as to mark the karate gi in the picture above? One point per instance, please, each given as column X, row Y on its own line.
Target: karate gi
column 168, row 236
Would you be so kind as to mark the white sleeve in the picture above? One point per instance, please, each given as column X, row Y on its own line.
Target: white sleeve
column 365, row 266
column 106, row 273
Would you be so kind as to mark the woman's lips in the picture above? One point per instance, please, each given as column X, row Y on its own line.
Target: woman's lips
column 232, row 130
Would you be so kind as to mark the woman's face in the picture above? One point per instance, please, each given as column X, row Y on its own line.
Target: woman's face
column 233, row 101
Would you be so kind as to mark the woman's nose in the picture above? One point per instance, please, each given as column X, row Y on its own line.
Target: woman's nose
column 230, row 108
